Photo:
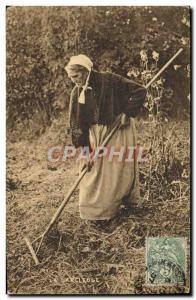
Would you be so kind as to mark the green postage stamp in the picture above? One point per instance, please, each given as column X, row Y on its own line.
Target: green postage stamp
column 166, row 260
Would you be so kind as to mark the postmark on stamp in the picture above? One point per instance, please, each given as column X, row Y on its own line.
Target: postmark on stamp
column 166, row 260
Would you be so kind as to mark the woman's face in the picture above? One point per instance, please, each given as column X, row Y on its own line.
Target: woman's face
column 78, row 77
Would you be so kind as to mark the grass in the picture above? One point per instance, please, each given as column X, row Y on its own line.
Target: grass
column 77, row 258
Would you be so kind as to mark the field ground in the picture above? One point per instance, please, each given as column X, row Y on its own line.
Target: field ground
column 114, row 257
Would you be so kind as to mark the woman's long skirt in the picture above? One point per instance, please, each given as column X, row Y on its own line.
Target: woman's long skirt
column 112, row 177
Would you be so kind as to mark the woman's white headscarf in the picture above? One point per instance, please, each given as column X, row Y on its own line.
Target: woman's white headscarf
column 84, row 61
column 81, row 60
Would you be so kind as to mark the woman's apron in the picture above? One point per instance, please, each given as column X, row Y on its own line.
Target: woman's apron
column 110, row 180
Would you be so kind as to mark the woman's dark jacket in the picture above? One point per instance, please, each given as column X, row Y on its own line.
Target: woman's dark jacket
column 107, row 96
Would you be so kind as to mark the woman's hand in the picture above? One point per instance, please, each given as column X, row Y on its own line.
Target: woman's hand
column 124, row 121
column 89, row 165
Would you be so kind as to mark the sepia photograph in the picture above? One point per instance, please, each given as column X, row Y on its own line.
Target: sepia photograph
column 98, row 150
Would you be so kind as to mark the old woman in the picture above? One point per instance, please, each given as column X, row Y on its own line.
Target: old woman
column 98, row 100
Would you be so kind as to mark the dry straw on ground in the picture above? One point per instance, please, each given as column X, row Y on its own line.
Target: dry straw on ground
column 114, row 256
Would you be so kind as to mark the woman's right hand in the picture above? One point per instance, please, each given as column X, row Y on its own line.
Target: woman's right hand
column 89, row 165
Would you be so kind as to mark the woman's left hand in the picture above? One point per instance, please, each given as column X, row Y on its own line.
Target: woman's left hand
column 124, row 121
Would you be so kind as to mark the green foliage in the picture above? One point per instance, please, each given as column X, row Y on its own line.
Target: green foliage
column 40, row 41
